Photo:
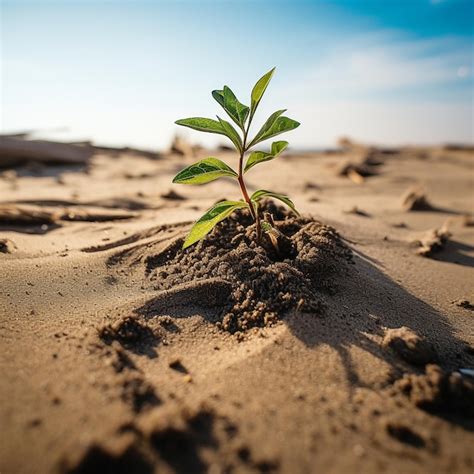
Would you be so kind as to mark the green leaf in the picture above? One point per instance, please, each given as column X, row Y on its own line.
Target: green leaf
column 274, row 126
column 237, row 111
column 279, row 147
column 260, row 156
column 261, row 193
column 213, row 216
column 202, row 124
column 204, row 171
column 266, row 126
column 213, row 126
column 232, row 103
column 231, row 133
column 258, row 91
column 219, row 96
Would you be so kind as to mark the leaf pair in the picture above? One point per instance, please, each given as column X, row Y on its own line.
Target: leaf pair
column 210, row 169
column 237, row 111
column 223, row 209
column 275, row 125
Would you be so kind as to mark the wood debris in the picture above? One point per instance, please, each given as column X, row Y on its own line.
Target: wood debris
column 433, row 241
column 360, row 169
column 7, row 246
column 15, row 151
column 415, row 199
column 27, row 215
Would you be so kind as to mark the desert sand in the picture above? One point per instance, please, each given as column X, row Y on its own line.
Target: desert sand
column 121, row 353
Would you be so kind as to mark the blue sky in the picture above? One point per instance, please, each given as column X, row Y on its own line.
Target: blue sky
column 121, row 72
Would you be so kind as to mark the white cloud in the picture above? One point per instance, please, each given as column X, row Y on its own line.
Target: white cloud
column 384, row 63
column 386, row 89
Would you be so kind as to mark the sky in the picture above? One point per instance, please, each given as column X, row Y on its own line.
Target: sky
column 121, row 72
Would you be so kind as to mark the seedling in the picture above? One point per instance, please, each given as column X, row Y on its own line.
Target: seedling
column 212, row 168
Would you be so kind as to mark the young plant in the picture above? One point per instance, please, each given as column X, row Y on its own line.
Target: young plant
column 212, row 168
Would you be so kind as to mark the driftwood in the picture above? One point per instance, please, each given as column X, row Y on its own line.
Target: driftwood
column 356, row 211
column 7, row 246
column 31, row 215
column 356, row 171
column 15, row 151
column 152, row 155
column 433, row 241
column 415, row 199
column 468, row 220
column 27, row 215
column 362, row 166
column 172, row 195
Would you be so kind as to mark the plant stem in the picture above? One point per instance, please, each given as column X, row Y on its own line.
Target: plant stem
column 243, row 188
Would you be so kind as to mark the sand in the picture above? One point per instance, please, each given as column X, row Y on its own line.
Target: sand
column 340, row 354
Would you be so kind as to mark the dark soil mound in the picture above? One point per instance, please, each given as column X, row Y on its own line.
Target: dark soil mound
column 264, row 283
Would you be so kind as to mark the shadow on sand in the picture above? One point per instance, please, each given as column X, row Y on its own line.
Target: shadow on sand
column 367, row 302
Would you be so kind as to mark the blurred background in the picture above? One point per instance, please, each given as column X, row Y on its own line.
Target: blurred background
column 121, row 72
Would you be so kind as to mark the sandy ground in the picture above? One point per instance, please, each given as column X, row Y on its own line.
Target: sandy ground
column 90, row 382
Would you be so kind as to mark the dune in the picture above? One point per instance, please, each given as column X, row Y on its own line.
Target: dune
column 338, row 350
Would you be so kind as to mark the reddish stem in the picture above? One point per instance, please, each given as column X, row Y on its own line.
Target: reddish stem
column 243, row 188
